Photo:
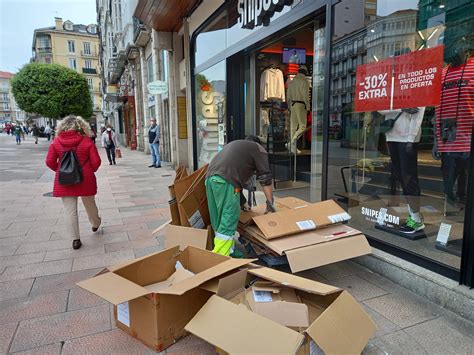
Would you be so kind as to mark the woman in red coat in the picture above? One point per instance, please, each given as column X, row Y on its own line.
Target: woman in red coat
column 73, row 134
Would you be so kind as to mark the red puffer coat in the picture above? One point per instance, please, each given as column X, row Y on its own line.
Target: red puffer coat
column 88, row 157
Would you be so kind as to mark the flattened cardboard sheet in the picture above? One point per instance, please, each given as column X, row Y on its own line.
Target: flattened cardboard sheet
column 327, row 253
column 228, row 286
column 292, row 221
column 237, row 330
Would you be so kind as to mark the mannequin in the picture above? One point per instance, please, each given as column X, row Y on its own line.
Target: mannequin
column 454, row 121
column 402, row 141
column 298, row 101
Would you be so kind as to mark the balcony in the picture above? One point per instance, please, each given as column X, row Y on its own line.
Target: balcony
column 44, row 50
column 89, row 71
column 88, row 54
column 141, row 36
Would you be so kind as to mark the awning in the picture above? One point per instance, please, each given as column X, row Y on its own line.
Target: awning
column 164, row 15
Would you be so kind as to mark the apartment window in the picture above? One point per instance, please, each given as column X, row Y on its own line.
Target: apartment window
column 6, row 106
column 88, row 64
column 47, row 60
column 90, row 83
column 71, row 47
column 5, row 97
column 43, row 42
column 72, row 63
column 87, row 48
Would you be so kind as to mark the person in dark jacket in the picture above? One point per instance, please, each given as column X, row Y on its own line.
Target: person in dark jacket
column 228, row 173
column 36, row 133
column 73, row 134
column 154, row 140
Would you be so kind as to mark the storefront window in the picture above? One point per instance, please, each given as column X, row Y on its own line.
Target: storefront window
column 210, row 88
column 399, row 150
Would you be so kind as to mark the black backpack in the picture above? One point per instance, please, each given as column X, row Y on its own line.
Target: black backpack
column 70, row 170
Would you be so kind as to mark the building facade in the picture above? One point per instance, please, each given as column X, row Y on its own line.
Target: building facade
column 9, row 110
column 74, row 46
column 345, row 153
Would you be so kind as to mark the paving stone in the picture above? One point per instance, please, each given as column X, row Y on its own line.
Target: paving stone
column 51, row 349
column 399, row 343
column 34, row 270
column 86, row 250
column 80, row 298
column 404, row 309
column 16, row 310
column 60, row 282
column 110, row 342
column 24, row 259
column 28, row 248
column 338, row 270
column 8, row 250
column 104, row 260
column 6, row 335
column 134, row 244
column 358, row 287
column 15, row 289
column 148, row 250
column 438, row 336
column 61, row 327
column 191, row 345
column 384, row 326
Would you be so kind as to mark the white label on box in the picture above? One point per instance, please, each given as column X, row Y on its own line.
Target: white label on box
column 196, row 220
column 381, row 217
column 443, row 233
column 304, row 225
column 123, row 314
column 262, row 296
column 340, row 217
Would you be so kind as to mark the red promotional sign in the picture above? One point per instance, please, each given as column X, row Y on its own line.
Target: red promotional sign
column 409, row 80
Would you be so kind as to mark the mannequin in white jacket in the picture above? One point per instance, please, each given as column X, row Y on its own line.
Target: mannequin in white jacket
column 298, row 102
column 402, row 141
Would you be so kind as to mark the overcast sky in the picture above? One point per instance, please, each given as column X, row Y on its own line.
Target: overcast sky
column 19, row 18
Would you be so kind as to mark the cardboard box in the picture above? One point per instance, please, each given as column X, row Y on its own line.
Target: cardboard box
column 187, row 236
column 292, row 220
column 157, row 316
column 315, row 248
column 338, row 323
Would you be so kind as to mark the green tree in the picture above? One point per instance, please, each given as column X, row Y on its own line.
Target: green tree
column 51, row 90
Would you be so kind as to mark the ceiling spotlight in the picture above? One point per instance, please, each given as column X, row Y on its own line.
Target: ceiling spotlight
column 372, row 30
column 442, row 6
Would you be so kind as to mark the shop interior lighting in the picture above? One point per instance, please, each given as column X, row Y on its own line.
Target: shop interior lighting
column 421, row 35
column 442, row 6
column 376, row 59
column 432, row 34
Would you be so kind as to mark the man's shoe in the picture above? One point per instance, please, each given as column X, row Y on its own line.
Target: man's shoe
column 95, row 229
column 114, row 162
column 76, row 244
column 159, row 166
column 411, row 226
column 151, row 166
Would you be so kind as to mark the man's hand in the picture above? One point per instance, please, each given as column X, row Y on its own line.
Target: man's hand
column 409, row 149
column 270, row 207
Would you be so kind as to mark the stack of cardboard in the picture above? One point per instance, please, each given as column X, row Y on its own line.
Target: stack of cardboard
column 308, row 234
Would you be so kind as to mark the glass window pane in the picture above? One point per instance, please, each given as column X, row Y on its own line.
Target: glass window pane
column 210, row 111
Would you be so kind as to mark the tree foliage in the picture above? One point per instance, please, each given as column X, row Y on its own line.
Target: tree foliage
column 51, row 90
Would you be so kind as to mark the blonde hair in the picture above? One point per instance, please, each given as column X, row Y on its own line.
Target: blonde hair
column 74, row 123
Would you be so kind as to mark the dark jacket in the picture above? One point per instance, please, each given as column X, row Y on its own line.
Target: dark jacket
column 238, row 161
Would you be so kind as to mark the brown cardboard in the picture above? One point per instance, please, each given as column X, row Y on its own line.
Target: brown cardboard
column 194, row 202
column 327, row 253
column 174, row 210
column 297, row 220
column 237, row 330
column 158, row 318
column 290, row 202
column 333, row 314
column 227, row 286
column 185, row 236
column 181, row 186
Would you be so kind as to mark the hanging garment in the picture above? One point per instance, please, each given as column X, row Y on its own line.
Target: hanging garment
column 455, row 113
column 272, row 85
column 298, row 99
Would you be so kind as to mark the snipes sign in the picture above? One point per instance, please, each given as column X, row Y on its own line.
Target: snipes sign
column 254, row 13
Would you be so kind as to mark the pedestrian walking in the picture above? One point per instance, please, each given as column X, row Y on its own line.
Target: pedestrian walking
column 93, row 132
column 48, row 131
column 154, row 140
column 17, row 132
column 73, row 135
column 36, row 133
column 110, row 143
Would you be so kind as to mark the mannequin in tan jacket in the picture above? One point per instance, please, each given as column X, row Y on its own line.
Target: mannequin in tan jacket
column 298, row 102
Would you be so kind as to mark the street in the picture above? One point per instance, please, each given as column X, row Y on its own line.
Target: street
column 43, row 312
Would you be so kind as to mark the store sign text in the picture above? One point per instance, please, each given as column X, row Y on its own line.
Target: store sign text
column 372, row 216
column 254, row 13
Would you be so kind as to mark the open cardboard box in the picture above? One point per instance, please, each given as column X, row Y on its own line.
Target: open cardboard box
column 157, row 315
column 337, row 323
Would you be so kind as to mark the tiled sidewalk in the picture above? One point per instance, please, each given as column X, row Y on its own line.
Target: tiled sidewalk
column 43, row 312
